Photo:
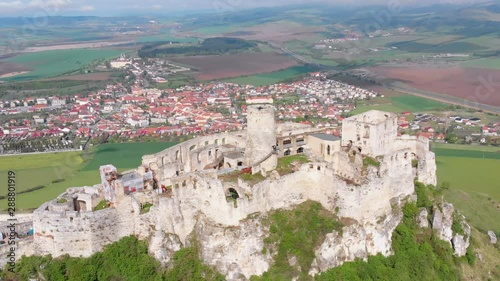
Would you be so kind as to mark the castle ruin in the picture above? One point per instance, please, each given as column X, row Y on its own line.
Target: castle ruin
column 186, row 190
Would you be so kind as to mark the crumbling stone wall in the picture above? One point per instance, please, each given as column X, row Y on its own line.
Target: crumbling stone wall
column 365, row 195
column 83, row 233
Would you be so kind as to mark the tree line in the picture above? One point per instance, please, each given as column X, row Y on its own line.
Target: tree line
column 210, row 46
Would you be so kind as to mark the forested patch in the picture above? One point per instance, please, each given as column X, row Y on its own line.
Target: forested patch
column 210, row 46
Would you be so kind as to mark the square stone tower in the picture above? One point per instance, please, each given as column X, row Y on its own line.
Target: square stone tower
column 373, row 131
column 261, row 135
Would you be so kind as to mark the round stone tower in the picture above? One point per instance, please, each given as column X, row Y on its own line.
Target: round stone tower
column 261, row 135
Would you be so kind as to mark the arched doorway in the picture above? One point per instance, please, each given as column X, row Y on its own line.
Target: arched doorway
column 288, row 152
column 300, row 150
column 233, row 193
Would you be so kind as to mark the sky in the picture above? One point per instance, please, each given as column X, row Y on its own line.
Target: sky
column 36, row 8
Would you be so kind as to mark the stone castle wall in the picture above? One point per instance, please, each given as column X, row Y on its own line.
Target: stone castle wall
column 419, row 148
column 82, row 233
column 366, row 195
column 192, row 155
column 373, row 131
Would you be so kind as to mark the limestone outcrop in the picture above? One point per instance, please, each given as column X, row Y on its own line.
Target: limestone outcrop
column 422, row 220
column 356, row 241
column 493, row 237
column 442, row 224
column 236, row 252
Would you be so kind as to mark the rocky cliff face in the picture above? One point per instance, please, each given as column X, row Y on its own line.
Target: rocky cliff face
column 236, row 252
column 355, row 242
column 240, row 251
column 442, row 223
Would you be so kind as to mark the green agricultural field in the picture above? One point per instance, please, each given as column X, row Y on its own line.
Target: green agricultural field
column 383, row 107
column 469, row 170
column 490, row 41
column 35, row 161
column 124, row 155
column 327, row 62
column 462, row 153
column 38, row 169
column 475, row 148
column 54, row 63
column 221, row 29
column 73, row 168
column 271, row 78
column 452, row 47
column 383, row 41
column 166, row 37
column 491, row 63
column 416, row 104
column 399, row 104
column 472, row 172
column 439, row 39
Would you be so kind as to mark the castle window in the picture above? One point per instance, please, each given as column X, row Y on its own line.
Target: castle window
column 288, row 152
column 177, row 155
column 328, row 150
column 300, row 150
column 240, row 164
column 287, row 143
column 210, row 153
column 319, row 168
column 367, row 132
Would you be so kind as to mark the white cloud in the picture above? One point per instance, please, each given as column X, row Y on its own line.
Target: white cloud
column 47, row 3
column 87, row 8
column 10, row 7
column 112, row 7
